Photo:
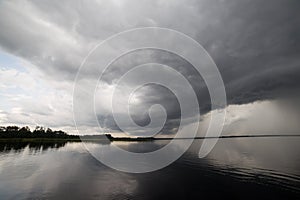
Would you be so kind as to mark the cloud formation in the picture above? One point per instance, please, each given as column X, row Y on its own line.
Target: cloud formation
column 255, row 46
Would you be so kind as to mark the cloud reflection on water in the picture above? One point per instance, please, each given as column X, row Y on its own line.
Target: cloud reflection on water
column 260, row 166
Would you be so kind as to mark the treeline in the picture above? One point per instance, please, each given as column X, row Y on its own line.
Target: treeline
column 38, row 132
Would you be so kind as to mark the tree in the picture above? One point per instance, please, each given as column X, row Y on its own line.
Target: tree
column 38, row 132
column 49, row 131
column 2, row 129
column 24, row 129
column 12, row 128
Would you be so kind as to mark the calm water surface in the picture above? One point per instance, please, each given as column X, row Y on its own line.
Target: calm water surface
column 237, row 168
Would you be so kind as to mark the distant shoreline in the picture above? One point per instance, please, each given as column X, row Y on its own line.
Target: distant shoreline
column 38, row 140
column 127, row 139
column 41, row 134
column 230, row 136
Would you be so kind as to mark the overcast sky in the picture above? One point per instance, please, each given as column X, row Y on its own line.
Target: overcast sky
column 255, row 45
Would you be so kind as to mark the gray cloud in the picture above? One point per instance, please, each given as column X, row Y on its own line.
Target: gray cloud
column 254, row 43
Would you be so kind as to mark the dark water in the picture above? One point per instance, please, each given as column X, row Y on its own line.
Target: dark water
column 238, row 168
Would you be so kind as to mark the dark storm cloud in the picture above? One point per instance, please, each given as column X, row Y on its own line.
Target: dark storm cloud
column 156, row 94
column 255, row 44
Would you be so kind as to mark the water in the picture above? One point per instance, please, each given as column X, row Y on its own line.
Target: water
column 237, row 168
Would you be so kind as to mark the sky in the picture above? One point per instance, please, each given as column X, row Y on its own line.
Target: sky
column 255, row 45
